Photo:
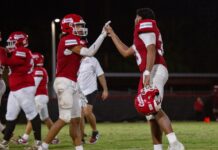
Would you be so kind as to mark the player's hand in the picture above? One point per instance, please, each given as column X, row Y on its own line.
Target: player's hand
column 104, row 95
column 110, row 31
column 104, row 32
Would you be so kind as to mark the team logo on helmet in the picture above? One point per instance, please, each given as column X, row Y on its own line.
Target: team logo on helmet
column 148, row 101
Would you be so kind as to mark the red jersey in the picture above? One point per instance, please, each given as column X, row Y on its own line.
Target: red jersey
column 68, row 62
column 20, row 65
column 42, row 88
column 145, row 26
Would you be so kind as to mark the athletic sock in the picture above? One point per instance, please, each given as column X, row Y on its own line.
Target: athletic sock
column 171, row 137
column 80, row 147
column 25, row 136
column 158, row 147
column 10, row 125
column 36, row 124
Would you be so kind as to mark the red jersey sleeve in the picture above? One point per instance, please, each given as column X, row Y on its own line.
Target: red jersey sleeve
column 147, row 25
column 71, row 41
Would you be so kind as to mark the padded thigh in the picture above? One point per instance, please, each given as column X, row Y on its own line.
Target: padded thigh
column 64, row 90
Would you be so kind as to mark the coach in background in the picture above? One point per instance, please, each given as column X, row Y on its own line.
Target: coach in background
column 89, row 71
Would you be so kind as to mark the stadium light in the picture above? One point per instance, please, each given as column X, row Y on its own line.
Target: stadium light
column 57, row 20
column 53, row 45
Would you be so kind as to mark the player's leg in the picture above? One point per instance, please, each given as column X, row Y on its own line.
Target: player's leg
column 75, row 131
column 88, row 111
column 64, row 90
column 82, row 126
column 156, row 134
column 90, row 116
column 40, row 101
column 25, row 137
column 28, row 105
column 44, row 116
column 41, row 105
column 159, row 77
column 13, row 110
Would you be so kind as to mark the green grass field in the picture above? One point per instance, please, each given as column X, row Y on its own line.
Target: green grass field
column 136, row 136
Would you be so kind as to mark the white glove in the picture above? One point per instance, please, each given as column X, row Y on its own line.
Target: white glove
column 104, row 32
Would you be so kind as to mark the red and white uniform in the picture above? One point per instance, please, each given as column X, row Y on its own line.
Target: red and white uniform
column 68, row 62
column 20, row 66
column 41, row 97
column 65, row 85
column 21, row 83
column 41, row 87
column 159, row 73
column 146, row 26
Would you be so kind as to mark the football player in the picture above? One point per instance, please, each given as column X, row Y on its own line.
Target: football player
column 2, row 84
column 71, row 48
column 41, row 97
column 22, row 86
column 148, row 50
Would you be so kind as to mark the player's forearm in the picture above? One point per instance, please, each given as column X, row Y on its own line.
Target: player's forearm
column 121, row 47
column 103, row 82
column 151, row 53
column 94, row 47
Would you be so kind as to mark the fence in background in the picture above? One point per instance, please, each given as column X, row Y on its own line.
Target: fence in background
column 180, row 92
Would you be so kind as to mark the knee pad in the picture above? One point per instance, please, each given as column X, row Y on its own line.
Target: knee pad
column 65, row 115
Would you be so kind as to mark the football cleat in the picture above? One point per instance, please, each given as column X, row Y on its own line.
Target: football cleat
column 22, row 141
column 94, row 138
column 55, row 141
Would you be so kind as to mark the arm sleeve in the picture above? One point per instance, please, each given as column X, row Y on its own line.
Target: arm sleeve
column 148, row 38
column 93, row 48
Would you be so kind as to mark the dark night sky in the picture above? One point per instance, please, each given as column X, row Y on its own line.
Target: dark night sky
column 188, row 27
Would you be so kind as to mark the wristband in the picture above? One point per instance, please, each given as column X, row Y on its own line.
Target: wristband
column 146, row 72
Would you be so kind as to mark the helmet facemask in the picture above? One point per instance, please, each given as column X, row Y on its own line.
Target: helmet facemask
column 79, row 29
